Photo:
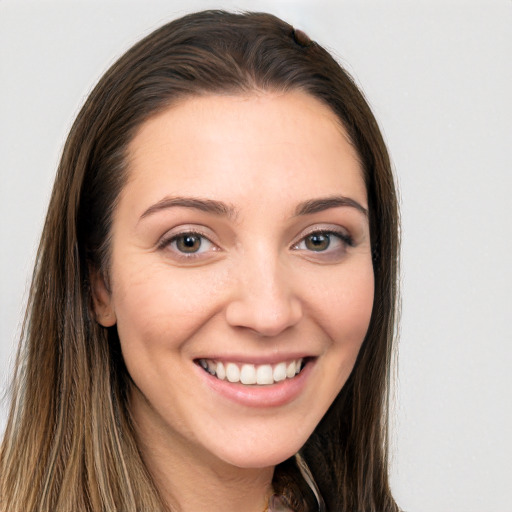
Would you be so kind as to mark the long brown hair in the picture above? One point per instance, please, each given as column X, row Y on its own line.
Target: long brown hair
column 69, row 443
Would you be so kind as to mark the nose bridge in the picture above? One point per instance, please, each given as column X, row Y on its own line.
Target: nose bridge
column 264, row 298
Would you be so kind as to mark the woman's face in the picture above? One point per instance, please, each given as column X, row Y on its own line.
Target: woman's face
column 241, row 277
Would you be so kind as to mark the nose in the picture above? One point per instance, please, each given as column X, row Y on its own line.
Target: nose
column 264, row 300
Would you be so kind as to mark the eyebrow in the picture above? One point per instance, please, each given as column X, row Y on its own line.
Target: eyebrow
column 224, row 210
column 204, row 205
column 319, row 205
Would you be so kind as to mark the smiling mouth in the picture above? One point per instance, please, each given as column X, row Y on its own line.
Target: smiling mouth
column 253, row 374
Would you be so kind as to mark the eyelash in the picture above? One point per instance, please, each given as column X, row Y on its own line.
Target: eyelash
column 167, row 242
column 345, row 239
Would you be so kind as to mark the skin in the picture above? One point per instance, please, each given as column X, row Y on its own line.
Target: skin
column 254, row 290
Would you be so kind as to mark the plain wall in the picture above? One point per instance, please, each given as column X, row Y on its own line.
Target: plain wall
column 438, row 76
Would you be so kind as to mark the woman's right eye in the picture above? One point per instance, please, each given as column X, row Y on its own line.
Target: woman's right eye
column 188, row 244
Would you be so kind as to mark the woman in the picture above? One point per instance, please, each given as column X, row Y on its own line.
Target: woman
column 211, row 316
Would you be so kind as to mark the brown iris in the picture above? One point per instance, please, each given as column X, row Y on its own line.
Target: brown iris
column 317, row 242
column 188, row 243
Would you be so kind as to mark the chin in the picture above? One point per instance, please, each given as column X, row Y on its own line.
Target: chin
column 260, row 456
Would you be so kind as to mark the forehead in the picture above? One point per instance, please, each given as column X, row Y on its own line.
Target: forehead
column 232, row 147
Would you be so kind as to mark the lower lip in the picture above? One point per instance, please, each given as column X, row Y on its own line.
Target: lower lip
column 272, row 395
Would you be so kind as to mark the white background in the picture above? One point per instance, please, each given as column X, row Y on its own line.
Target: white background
column 438, row 75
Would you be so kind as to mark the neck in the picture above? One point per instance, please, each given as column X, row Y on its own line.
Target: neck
column 190, row 479
column 192, row 487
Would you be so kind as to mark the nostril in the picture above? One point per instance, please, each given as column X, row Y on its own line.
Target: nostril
column 264, row 317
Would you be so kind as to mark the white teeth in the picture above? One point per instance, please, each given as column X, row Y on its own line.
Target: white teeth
column 221, row 371
column 280, row 372
column 232, row 372
column 291, row 369
column 250, row 374
column 264, row 374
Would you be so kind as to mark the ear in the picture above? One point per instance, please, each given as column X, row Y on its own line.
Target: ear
column 102, row 299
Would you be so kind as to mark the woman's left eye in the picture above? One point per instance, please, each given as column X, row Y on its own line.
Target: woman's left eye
column 324, row 241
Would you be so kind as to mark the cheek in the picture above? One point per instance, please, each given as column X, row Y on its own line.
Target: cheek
column 163, row 305
column 347, row 318
column 344, row 305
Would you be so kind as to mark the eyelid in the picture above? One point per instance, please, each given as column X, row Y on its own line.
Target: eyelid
column 171, row 235
column 339, row 231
